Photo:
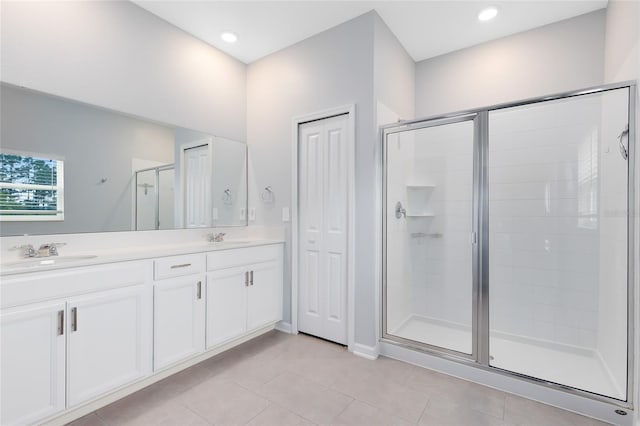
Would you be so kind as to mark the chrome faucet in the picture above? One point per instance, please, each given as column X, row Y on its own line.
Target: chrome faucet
column 27, row 250
column 216, row 238
column 49, row 249
column 45, row 250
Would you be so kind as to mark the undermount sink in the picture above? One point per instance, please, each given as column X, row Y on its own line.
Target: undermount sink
column 38, row 262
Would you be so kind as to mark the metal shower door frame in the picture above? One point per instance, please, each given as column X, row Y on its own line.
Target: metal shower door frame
column 480, row 323
column 423, row 124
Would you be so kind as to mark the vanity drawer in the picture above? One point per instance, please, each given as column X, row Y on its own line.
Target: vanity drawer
column 178, row 266
column 231, row 258
column 35, row 287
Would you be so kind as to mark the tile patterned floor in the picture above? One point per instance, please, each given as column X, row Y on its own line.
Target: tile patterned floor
column 279, row 380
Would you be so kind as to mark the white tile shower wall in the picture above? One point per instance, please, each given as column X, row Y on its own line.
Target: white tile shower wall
column 544, row 238
column 442, row 258
column 399, row 252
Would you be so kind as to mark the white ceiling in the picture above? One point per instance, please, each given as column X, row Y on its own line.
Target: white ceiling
column 425, row 28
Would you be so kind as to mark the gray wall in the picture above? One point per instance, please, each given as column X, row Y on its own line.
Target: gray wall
column 557, row 57
column 357, row 62
column 394, row 72
column 622, row 41
column 94, row 144
column 331, row 69
column 116, row 55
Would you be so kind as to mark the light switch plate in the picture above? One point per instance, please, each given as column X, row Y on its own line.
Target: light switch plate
column 252, row 213
column 285, row 214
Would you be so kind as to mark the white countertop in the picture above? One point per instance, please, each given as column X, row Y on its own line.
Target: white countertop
column 98, row 257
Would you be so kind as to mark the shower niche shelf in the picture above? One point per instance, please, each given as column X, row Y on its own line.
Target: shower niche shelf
column 418, row 194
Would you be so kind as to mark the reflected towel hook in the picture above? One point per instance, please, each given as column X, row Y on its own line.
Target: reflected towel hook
column 267, row 195
column 226, row 197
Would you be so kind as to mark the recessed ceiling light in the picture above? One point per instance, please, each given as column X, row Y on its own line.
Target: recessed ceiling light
column 487, row 14
column 229, row 37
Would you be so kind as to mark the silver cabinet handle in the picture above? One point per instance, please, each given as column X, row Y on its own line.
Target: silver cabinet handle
column 199, row 296
column 246, row 279
column 182, row 265
column 74, row 319
column 60, row 323
column 251, row 278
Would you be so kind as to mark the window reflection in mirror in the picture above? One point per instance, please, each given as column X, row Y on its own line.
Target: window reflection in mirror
column 31, row 187
column 121, row 172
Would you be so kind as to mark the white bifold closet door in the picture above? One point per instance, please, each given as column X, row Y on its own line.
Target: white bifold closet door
column 197, row 187
column 322, row 183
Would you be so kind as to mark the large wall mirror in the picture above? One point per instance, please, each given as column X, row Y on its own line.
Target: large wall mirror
column 68, row 167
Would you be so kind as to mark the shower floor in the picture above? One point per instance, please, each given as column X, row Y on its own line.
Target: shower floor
column 580, row 368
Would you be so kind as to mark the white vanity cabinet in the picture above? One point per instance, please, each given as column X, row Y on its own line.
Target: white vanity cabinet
column 244, row 291
column 33, row 360
column 92, row 335
column 264, row 294
column 73, row 336
column 179, row 309
column 108, row 341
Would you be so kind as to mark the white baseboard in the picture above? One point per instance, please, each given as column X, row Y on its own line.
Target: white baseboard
column 284, row 327
column 364, row 351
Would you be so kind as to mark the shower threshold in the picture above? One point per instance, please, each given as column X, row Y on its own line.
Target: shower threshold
column 546, row 360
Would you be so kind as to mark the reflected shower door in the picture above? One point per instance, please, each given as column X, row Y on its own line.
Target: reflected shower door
column 166, row 199
column 429, row 178
column 146, row 200
column 558, row 227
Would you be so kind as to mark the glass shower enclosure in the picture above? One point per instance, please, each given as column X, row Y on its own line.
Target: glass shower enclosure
column 507, row 239
column 154, row 198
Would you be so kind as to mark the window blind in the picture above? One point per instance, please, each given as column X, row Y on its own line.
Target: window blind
column 31, row 188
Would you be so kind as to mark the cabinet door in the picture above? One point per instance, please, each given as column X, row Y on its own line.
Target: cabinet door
column 264, row 298
column 109, row 341
column 179, row 316
column 226, row 305
column 33, row 354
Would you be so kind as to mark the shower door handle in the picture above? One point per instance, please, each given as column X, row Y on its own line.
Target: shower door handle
column 473, row 238
column 624, row 150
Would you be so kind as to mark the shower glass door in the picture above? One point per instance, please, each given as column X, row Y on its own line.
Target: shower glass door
column 429, row 235
column 558, row 229
column 508, row 239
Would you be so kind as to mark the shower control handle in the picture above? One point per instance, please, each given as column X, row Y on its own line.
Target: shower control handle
column 400, row 211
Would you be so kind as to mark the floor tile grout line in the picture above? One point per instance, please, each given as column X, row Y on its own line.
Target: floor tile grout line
column 259, row 412
column 344, row 409
column 199, row 416
column 424, row 409
column 294, row 413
